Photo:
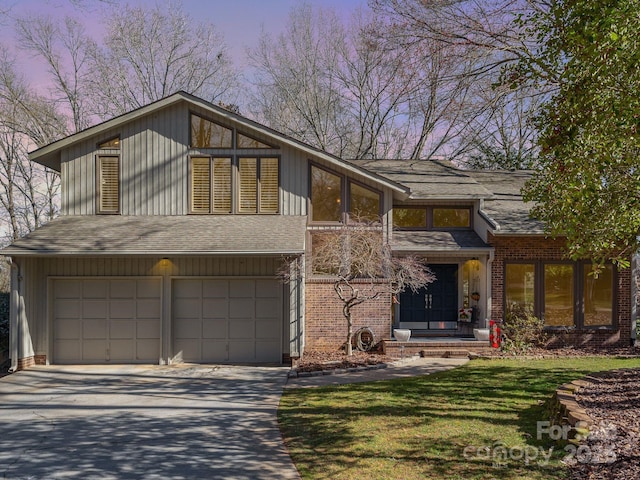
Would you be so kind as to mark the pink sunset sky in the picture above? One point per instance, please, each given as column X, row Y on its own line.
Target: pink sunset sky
column 240, row 21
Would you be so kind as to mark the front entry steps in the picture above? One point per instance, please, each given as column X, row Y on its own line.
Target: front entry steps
column 436, row 347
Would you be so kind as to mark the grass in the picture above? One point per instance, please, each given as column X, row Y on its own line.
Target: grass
column 418, row 428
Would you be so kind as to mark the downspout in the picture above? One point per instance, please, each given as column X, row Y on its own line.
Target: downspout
column 489, row 287
column 14, row 314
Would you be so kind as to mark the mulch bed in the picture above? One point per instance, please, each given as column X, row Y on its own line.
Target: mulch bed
column 612, row 450
column 317, row 361
column 570, row 352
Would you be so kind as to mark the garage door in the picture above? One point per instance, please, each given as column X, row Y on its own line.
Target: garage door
column 106, row 320
column 222, row 320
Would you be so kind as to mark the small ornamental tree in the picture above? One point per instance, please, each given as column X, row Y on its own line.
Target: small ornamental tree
column 362, row 267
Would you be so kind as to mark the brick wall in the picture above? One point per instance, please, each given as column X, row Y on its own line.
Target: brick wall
column 540, row 248
column 326, row 327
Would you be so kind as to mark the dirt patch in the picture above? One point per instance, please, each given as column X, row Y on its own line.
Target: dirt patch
column 612, row 451
column 317, row 361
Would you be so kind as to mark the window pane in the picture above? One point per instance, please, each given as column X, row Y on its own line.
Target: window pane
column 598, row 296
column 109, row 184
column 326, row 196
column 269, row 185
column 409, row 217
column 451, row 217
column 247, row 142
column 221, row 185
column 558, row 295
column 364, row 203
column 520, row 280
column 200, row 179
column 248, row 185
column 206, row 134
column 113, row 143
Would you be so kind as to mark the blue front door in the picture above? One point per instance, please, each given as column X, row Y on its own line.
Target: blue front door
column 434, row 307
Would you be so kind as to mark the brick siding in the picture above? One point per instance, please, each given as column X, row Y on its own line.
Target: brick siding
column 540, row 248
column 326, row 327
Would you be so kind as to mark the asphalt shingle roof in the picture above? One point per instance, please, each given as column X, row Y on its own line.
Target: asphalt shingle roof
column 165, row 235
column 437, row 241
column 428, row 179
column 505, row 206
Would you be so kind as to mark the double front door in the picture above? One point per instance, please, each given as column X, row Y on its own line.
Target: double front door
column 434, row 307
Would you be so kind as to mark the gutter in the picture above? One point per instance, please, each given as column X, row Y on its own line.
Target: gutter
column 14, row 314
column 145, row 253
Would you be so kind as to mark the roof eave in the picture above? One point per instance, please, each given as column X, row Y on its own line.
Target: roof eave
column 160, row 253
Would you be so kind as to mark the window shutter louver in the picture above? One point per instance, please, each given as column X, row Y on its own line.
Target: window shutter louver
column 269, row 185
column 109, row 186
column 200, row 185
column 248, row 185
column 221, row 185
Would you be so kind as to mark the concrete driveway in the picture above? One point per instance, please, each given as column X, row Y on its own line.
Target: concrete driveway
column 142, row 422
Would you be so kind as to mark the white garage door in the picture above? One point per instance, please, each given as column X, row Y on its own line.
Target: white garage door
column 106, row 320
column 222, row 320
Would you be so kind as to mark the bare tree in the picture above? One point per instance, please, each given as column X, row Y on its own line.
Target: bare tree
column 362, row 268
column 64, row 48
column 27, row 190
column 148, row 54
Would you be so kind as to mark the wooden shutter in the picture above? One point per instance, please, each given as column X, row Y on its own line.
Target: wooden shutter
column 200, row 184
column 221, row 185
column 109, row 184
column 269, row 193
column 248, row 169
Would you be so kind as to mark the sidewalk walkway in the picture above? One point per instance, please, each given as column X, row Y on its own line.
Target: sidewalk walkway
column 411, row 367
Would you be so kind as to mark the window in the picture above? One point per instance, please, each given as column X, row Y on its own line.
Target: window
column 364, row 203
column 326, row 195
column 520, row 285
column 330, row 193
column 430, row 217
column 558, row 295
column 111, row 144
column 258, row 183
column 409, row 217
column 210, row 185
column 451, row 218
column 108, row 179
column 221, row 185
column 244, row 141
column 598, row 296
column 208, row 134
column 563, row 294
column 200, row 184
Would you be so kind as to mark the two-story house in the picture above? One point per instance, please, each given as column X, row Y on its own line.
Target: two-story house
column 176, row 217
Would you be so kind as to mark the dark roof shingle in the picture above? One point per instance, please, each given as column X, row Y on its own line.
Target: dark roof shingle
column 165, row 235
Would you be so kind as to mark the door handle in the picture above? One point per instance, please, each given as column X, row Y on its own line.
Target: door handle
column 428, row 298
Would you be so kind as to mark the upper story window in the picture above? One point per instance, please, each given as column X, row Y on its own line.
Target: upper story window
column 326, row 195
column 331, row 192
column 421, row 218
column 111, row 144
column 245, row 141
column 250, row 185
column 108, row 183
column 208, row 134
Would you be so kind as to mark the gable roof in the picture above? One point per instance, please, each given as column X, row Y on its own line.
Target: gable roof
column 94, row 235
column 49, row 155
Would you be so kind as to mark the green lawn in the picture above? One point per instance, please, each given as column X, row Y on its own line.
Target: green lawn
column 419, row 428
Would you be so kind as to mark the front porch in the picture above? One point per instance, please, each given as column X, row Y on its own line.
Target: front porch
column 443, row 347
